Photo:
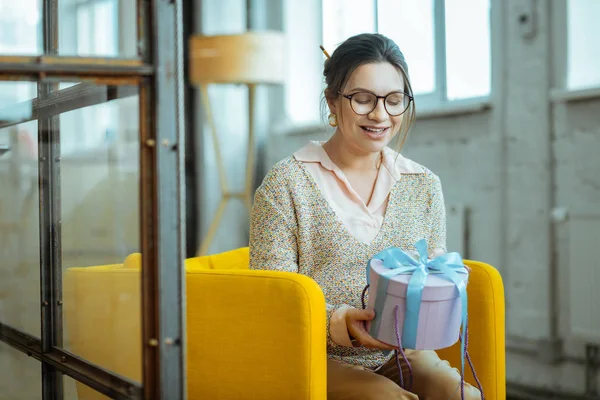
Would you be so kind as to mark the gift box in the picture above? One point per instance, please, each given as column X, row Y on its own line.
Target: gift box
column 419, row 303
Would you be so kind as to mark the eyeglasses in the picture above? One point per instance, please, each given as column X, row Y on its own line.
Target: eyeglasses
column 363, row 103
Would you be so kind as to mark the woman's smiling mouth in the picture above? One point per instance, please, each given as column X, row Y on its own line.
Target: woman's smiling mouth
column 375, row 132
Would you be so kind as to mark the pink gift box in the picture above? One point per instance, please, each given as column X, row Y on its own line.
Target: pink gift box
column 440, row 312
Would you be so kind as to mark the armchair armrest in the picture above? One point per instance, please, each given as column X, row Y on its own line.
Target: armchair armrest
column 486, row 331
column 255, row 335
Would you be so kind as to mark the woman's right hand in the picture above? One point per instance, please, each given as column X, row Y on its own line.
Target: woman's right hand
column 356, row 323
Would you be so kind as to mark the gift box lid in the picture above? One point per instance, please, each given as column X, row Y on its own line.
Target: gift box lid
column 436, row 288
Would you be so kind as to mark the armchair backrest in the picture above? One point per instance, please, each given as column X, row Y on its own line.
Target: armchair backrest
column 233, row 259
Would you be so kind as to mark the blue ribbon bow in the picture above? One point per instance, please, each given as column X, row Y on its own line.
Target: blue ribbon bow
column 399, row 262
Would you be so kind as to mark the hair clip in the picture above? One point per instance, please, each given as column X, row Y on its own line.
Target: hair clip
column 325, row 52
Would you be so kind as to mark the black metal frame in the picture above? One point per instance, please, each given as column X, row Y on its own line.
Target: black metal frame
column 33, row 67
column 98, row 378
column 159, row 74
column 49, row 218
column 191, row 194
column 163, row 143
column 72, row 98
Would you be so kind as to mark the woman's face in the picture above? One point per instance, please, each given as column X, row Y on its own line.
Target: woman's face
column 372, row 132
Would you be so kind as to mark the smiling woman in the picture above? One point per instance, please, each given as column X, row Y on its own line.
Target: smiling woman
column 328, row 209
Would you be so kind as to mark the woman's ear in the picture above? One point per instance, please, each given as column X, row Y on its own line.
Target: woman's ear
column 330, row 101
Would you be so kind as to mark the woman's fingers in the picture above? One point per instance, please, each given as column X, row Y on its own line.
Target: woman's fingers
column 368, row 341
column 355, row 321
column 360, row 315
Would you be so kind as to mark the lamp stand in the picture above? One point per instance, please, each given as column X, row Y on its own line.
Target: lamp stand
column 246, row 195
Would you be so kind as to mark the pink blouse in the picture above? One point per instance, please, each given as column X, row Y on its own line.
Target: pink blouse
column 362, row 220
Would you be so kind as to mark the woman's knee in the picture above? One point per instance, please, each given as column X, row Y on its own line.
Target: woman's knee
column 437, row 379
column 471, row 392
column 367, row 386
column 352, row 382
column 453, row 391
column 384, row 388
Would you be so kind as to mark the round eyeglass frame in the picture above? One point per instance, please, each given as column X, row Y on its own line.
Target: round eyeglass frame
column 349, row 97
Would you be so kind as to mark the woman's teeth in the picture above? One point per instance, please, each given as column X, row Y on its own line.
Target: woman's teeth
column 374, row 130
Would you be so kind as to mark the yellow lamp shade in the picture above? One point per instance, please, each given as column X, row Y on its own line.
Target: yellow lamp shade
column 248, row 58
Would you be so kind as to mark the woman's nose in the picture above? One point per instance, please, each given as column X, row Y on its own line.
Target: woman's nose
column 379, row 113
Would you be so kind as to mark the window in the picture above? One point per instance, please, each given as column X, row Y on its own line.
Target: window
column 468, row 56
column 14, row 104
column 92, row 28
column 342, row 19
column 19, row 27
column 446, row 42
column 583, row 54
column 88, row 18
column 60, row 216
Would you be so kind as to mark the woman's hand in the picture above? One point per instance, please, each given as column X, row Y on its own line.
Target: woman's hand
column 356, row 322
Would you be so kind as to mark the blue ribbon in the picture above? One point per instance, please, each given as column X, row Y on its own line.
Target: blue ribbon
column 399, row 262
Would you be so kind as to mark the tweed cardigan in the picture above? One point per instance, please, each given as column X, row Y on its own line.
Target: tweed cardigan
column 294, row 229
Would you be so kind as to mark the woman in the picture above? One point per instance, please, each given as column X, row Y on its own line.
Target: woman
column 325, row 211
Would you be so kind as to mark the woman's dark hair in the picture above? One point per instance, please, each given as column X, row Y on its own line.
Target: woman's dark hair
column 367, row 48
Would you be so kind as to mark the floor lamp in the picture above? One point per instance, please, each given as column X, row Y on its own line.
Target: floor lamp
column 250, row 58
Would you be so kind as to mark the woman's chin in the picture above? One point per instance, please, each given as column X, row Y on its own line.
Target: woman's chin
column 374, row 145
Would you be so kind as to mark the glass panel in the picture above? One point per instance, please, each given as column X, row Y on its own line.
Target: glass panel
column 304, row 82
column 75, row 390
column 223, row 17
column 468, row 48
column 100, row 228
column 21, row 376
column 15, row 101
column 583, row 52
column 345, row 18
column 410, row 24
column 97, row 28
column 21, row 27
column 19, row 212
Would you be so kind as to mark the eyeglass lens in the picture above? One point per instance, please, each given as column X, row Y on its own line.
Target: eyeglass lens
column 364, row 103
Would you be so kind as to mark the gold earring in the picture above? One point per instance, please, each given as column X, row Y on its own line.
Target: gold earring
column 333, row 120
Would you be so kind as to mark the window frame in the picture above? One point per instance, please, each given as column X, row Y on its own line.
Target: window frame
column 162, row 198
column 560, row 92
column 437, row 102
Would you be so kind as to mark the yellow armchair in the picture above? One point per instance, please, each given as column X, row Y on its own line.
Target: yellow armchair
column 250, row 334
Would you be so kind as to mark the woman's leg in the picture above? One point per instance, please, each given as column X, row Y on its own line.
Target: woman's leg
column 433, row 378
column 351, row 382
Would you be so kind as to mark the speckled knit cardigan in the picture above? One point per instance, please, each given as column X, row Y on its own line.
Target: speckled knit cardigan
column 294, row 229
